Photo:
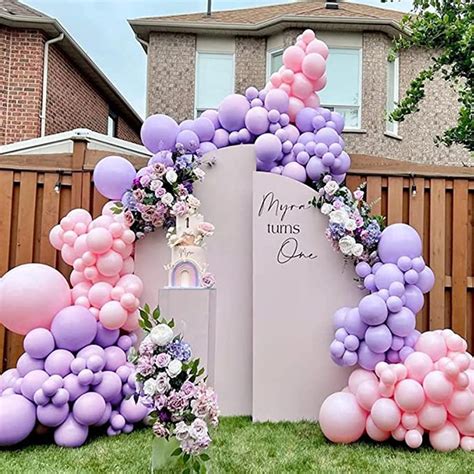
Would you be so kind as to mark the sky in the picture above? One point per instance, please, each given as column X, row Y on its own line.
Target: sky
column 101, row 29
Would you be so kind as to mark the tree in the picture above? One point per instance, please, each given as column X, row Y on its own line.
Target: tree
column 447, row 27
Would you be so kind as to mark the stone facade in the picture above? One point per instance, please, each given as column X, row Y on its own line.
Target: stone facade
column 171, row 80
column 73, row 101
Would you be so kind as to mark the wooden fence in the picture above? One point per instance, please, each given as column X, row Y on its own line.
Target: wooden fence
column 441, row 210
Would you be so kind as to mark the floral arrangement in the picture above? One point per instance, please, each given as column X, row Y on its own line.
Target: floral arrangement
column 162, row 191
column 352, row 229
column 171, row 384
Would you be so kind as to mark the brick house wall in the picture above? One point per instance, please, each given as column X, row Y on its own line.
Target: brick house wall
column 72, row 100
column 250, row 63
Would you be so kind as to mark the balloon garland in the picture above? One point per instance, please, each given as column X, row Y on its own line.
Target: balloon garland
column 409, row 384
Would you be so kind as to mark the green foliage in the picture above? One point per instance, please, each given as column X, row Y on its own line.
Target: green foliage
column 447, row 28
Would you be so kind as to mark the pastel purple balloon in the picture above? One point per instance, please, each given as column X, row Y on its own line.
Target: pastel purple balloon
column 61, row 397
column 418, row 264
column 337, row 348
column 52, row 385
column 335, row 149
column 232, row 111
column 204, row 128
column 352, row 342
column 302, row 158
column 213, row 116
column 404, row 263
column 354, row 325
column 274, row 117
column 318, row 122
column 387, row 274
column 339, row 178
column 277, row 99
column 40, row 398
column 394, row 304
column 221, row 138
column 85, row 377
column 362, row 269
column 338, row 120
column 73, row 328
column 295, row 171
column 411, row 277
column 186, row 125
column 33, row 381
column 114, row 358
column 251, row 93
column 393, row 357
column 339, row 317
column 341, row 334
column 341, row 164
column 8, row 379
column 349, row 358
column 372, row 310
column 399, row 240
column 106, row 415
column 133, row 411
column 124, row 342
column 414, row 298
column 52, row 415
column 405, row 352
column 188, row 139
column 96, row 363
column 397, row 343
column 110, row 387
column 113, row 176
column 369, row 283
column 17, row 419
column 378, row 338
column 164, row 157
column 206, row 147
column 71, row 434
column 77, row 365
column 159, row 133
column 26, row 364
column 426, row 280
column 267, row 148
column 315, row 168
column 73, row 387
column 306, row 137
column 59, row 362
column 401, row 323
column 90, row 350
column 89, row 408
column 292, row 132
column 412, row 338
column 106, row 337
column 327, row 136
column 304, row 119
column 368, row 359
column 39, row 343
column 396, row 289
column 384, row 294
column 257, row 121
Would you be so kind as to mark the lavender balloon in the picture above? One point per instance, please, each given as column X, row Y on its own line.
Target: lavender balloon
column 113, row 176
column 159, row 133
column 17, row 419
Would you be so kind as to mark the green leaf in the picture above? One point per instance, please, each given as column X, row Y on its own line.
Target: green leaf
column 147, row 308
column 205, row 457
column 177, row 452
column 156, row 313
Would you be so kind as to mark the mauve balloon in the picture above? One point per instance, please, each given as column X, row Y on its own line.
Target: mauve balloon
column 17, row 419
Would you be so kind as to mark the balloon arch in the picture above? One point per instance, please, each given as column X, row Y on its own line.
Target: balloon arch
column 74, row 374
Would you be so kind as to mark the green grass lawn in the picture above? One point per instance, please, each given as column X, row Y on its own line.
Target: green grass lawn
column 240, row 446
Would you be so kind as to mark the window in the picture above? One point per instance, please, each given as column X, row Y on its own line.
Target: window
column 343, row 90
column 112, row 120
column 392, row 93
column 214, row 79
column 274, row 61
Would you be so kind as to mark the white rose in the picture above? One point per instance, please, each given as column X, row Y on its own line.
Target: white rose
column 350, row 224
column 174, row 368
column 171, row 176
column 149, row 387
column 338, row 217
column 346, row 244
column 193, row 202
column 161, row 334
column 167, row 199
column 326, row 208
column 156, row 184
column 199, row 173
column 357, row 250
column 331, row 187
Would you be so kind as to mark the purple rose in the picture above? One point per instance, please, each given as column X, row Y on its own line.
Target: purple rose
column 162, row 360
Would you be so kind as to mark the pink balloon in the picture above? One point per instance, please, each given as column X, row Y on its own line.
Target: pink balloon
column 76, row 278
column 275, row 79
column 110, row 263
column 341, row 418
column 409, row 421
column 128, row 266
column 131, row 324
column 307, row 36
column 293, row 58
column 433, row 344
column 467, row 443
column 302, row 87
column 80, row 245
column 128, row 236
column 318, row 46
column 131, row 284
column 99, row 240
column 102, row 221
column 112, row 315
column 437, row 387
column 81, row 289
column 446, row 438
column 399, row 433
column 409, row 395
column 413, row 439
column 358, row 376
column 464, row 425
column 26, row 297
column 314, row 66
column 432, row 416
column 287, row 76
column 79, row 216
column 320, row 83
column 367, row 394
column 295, row 105
column 312, row 101
column 374, row 432
column 68, row 254
column 386, row 414
column 56, row 237
column 418, row 364
column 99, row 294
column 461, row 403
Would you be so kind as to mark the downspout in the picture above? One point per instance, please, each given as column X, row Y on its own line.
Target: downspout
column 146, row 46
column 45, row 81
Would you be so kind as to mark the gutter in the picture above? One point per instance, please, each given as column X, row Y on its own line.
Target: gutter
column 45, row 81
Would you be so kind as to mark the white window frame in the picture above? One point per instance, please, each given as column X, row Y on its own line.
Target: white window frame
column 341, row 106
column 392, row 127
column 270, row 54
column 197, row 111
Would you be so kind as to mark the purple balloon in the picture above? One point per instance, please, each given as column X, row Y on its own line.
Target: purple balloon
column 59, row 362
column 277, row 99
column 39, row 343
column 206, row 147
column 71, row 434
column 418, row 264
column 414, row 298
column 106, row 416
column 251, row 93
column 89, row 409
column 106, row 337
column 221, row 138
column 349, row 358
column 338, row 120
column 73, row 387
column 387, row 274
column 305, row 138
column 274, row 117
column 267, row 148
column 354, row 325
column 164, row 157
column 337, row 348
column 114, row 358
column 52, row 415
column 368, row 359
column 327, row 136
column 295, row 171
column 257, row 121
column 113, row 176
column 412, row 338
column 402, row 323
column 341, row 164
column 339, row 317
column 52, row 385
column 17, row 419
column 372, row 310
column 396, row 289
column 352, row 342
column 26, row 364
column 363, row 269
column 399, row 240
column 397, row 343
column 405, row 352
column 378, row 338
column 8, row 379
column 232, row 111
column 304, row 119
column 159, row 133
column 320, row 149
column 204, row 128
column 85, row 377
column 186, row 125
column 88, row 351
column 394, row 304
column 341, row 334
column 73, row 328
column 110, row 387
column 213, row 116
column 315, row 168
column 411, row 277
column 188, row 139
column 262, row 166
column 292, row 132
column 426, row 280
column 61, row 397
column 33, row 381
column 369, row 283
column 77, row 365
column 393, row 357
column 133, row 411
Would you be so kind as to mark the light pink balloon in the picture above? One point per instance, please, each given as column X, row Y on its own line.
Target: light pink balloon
column 320, row 83
column 91, row 273
column 432, row 416
column 131, row 324
column 275, row 79
column 81, row 289
column 112, row 315
column 76, row 278
column 461, row 403
column 80, row 228
column 418, row 365
column 446, row 438
column 341, row 418
column 132, row 284
column 374, row 431
column 307, row 36
column 318, row 46
column 109, row 263
column 312, row 101
column 467, row 443
column 313, row 66
column 99, row 294
column 433, row 344
column 464, row 425
column 409, row 421
column 456, row 343
column 287, row 76
column 358, row 376
column 30, row 296
column 413, row 439
column 68, row 254
column 128, row 266
column 367, row 394
column 399, row 433
column 56, row 237
column 293, row 58
column 295, row 105
column 128, row 301
column 102, row 221
column 67, row 223
column 107, row 209
column 437, row 387
column 83, row 301
column 99, row 240
column 80, row 245
column 409, row 395
column 89, row 258
column 386, row 414
column 302, row 87
column 128, row 236
column 117, row 293
column 79, row 216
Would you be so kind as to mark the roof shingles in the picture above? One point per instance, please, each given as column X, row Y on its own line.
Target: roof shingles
column 15, row 8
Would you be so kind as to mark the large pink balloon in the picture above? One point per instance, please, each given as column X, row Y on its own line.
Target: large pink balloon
column 446, row 438
column 341, row 418
column 30, row 297
column 386, row 414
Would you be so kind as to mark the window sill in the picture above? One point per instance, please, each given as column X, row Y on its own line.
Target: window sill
column 354, row 130
column 393, row 135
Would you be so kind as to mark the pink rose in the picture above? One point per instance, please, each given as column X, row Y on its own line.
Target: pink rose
column 208, row 280
column 180, row 209
column 206, row 228
column 128, row 218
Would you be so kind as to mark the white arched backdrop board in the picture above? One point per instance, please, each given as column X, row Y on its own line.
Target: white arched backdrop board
column 274, row 307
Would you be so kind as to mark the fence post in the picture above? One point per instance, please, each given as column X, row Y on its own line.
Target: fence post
column 78, row 158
